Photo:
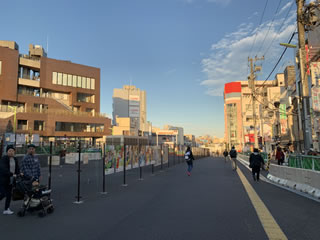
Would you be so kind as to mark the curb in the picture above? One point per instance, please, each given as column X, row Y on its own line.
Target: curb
column 304, row 188
column 298, row 188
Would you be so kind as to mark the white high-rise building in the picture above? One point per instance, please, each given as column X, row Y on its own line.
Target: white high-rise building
column 130, row 102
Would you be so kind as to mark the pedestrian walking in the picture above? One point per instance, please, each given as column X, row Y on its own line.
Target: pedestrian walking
column 188, row 156
column 30, row 165
column 225, row 154
column 233, row 155
column 256, row 162
column 9, row 168
column 279, row 156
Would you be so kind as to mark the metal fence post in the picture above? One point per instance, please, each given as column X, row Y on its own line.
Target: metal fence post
column 124, row 166
column 79, row 171
column 50, row 166
column 140, row 168
column 174, row 156
column 168, row 158
column 313, row 164
column 104, row 169
column 161, row 154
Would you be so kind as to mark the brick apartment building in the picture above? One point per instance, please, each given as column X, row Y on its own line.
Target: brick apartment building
column 52, row 98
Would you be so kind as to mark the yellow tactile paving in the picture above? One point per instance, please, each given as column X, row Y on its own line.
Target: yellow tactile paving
column 269, row 224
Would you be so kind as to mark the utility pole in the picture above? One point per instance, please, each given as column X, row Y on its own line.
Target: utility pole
column 251, row 83
column 304, row 80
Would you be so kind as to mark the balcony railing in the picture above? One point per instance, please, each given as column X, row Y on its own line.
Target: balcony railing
column 6, row 108
column 29, row 57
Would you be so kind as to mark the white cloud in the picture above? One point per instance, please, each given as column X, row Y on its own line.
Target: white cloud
column 228, row 57
column 286, row 6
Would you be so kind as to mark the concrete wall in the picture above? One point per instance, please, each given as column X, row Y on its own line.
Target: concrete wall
column 297, row 175
column 303, row 180
column 9, row 74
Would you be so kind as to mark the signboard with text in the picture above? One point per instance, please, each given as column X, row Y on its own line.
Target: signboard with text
column 315, row 93
column 134, row 111
column 134, row 100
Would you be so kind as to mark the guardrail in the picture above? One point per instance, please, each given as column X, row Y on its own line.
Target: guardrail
column 305, row 162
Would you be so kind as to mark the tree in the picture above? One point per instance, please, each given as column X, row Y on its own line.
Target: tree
column 9, row 128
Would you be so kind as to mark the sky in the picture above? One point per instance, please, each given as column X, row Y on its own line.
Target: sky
column 181, row 52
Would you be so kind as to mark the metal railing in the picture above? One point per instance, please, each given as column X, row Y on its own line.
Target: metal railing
column 305, row 162
column 6, row 108
column 29, row 57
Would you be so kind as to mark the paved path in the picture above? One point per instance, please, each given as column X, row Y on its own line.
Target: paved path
column 211, row 204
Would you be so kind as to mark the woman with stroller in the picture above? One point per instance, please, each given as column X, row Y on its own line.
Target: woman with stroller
column 9, row 168
column 188, row 156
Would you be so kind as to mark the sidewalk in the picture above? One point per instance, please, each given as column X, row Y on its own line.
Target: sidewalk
column 211, row 204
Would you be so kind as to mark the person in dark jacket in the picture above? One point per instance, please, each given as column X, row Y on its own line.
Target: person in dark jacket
column 233, row 155
column 280, row 156
column 8, row 169
column 30, row 165
column 256, row 162
column 225, row 154
column 188, row 156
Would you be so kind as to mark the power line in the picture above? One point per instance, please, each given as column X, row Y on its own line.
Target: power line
column 284, row 51
column 271, row 24
column 274, row 109
column 254, row 41
column 278, row 30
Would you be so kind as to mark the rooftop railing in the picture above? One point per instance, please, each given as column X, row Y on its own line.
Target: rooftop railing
column 29, row 57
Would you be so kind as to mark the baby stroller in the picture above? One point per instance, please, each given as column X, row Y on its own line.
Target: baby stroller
column 35, row 198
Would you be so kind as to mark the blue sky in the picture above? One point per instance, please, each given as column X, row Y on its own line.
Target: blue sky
column 180, row 51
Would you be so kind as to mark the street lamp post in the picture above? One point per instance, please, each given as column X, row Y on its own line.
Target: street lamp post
column 304, row 110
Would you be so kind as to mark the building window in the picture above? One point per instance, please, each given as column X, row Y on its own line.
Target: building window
column 74, row 81
column 70, row 80
column 38, row 125
column 90, row 111
column 88, row 83
column 76, row 108
column 84, row 97
column 65, row 80
column 54, row 78
column 84, row 82
column 40, row 108
column 59, row 79
column 79, row 82
column 24, row 90
column 22, row 125
column 92, row 83
column 79, row 127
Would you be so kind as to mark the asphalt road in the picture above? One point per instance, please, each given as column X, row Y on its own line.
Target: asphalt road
column 210, row 204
